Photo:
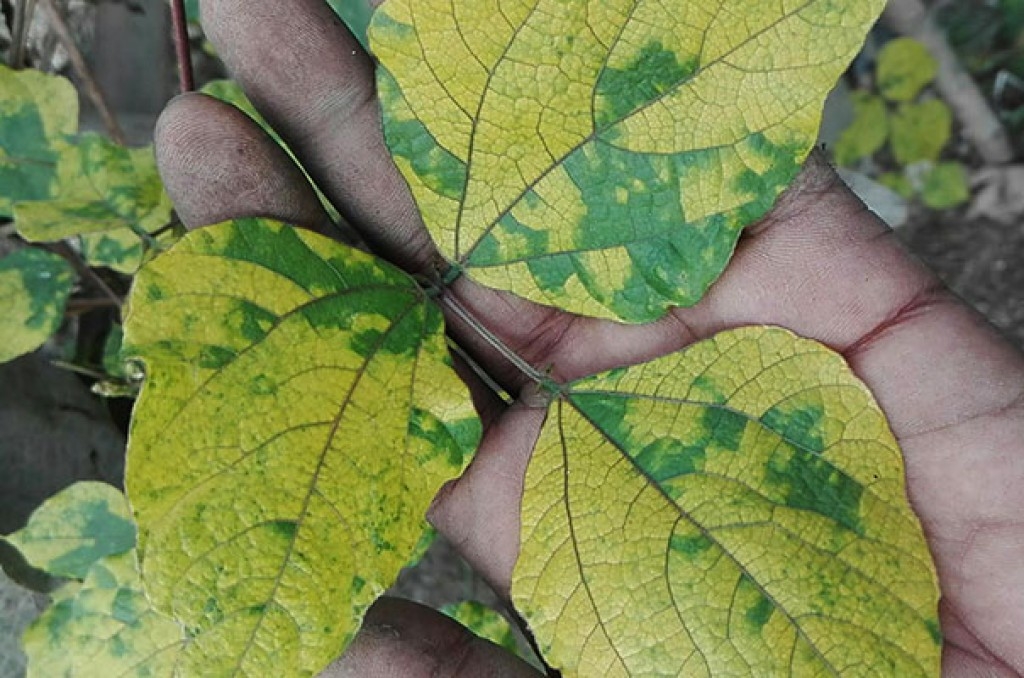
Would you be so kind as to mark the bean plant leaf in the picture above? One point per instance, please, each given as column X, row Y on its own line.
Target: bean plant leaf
column 734, row 509
column 75, row 528
column 34, row 287
column 945, row 186
column 356, row 15
column 37, row 113
column 484, row 622
column 299, row 413
column 919, row 131
column 112, row 197
column 604, row 156
column 867, row 133
column 104, row 628
column 904, row 67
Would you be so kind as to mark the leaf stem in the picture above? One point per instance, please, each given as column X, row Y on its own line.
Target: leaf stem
column 186, row 78
column 480, row 372
column 92, row 88
column 83, row 269
column 528, row 370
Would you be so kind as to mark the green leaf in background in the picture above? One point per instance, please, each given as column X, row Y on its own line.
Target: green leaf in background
column 113, row 363
column 34, row 287
column 919, row 131
column 738, row 508
column 75, row 528
column 484, row 622
column 603, row 156
column 299, row 413
column 112, row 197
column 104, row 628
column 356, row 15
column 867, row 133
column 37, row 113
column 899, row 183
column 945, row 186
column 904, row 67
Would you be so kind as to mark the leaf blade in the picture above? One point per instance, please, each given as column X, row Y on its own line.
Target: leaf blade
column 317, row 416
column 726, row 517
column 565, row 151
column 34, row 287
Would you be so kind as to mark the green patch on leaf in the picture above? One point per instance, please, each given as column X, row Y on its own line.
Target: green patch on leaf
column 604, row 157
column 484, row 622
column 34, row 288
column 789, row 549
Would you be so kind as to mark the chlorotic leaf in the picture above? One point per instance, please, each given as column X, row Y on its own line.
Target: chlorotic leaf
column 299, row 413
column 37, row 113
column 735, row 509
column 484, row 622
column 919, row 131
column 945, row 186
column 75, row 528
column 603, row 156
column 34, row 287
column 112, row 197
column 904, row 67
column 867, row 133
column 104, row 628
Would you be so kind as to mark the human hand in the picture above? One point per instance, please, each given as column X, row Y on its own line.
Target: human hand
column 818, row 264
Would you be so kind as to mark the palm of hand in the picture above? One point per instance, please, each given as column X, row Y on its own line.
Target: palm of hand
column 819, row 264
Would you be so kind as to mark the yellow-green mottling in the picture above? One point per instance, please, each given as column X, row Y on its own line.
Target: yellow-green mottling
column 34, row 288
column 111, row 197
column 75, row 528
column 484, row 622
column 603, row 156
column 904, row 67
column 103, row 628
column 299, row 413
column 735, row 509
column 37, row 114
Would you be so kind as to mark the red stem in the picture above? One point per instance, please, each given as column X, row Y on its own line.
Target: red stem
column 181, row 47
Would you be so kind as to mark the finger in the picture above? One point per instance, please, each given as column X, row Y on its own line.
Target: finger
column 313, row 82
column 217, row 164
column 479, row 512
column 402, row 639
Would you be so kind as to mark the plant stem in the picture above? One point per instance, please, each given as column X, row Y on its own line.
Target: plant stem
column 531, row 373
column 79, row 306
column 85, row 271
column 480, row 372
column 92, row 88
column 23, row 10
column 186, row 79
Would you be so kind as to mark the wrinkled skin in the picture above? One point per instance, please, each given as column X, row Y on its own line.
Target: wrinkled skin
column 819, row 264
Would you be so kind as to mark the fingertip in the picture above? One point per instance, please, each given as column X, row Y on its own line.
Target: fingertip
column 218, row 164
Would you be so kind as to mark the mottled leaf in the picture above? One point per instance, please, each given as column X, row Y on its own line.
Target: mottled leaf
column 75, row 528
column 34, row 287
column 919, row 131
column 298, row 415
column 945, row 186
column 867, row 133
column 604, row 156
column 37, row 113
column 103, row 628
column 112, row 197
column 904, row 67
column 484, row 622
column 735, row 509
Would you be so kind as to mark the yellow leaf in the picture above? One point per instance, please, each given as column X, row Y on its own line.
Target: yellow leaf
column 299, row 413
column 904, row 67
column 734, row 509
column 919, row 131
column 603, row 155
